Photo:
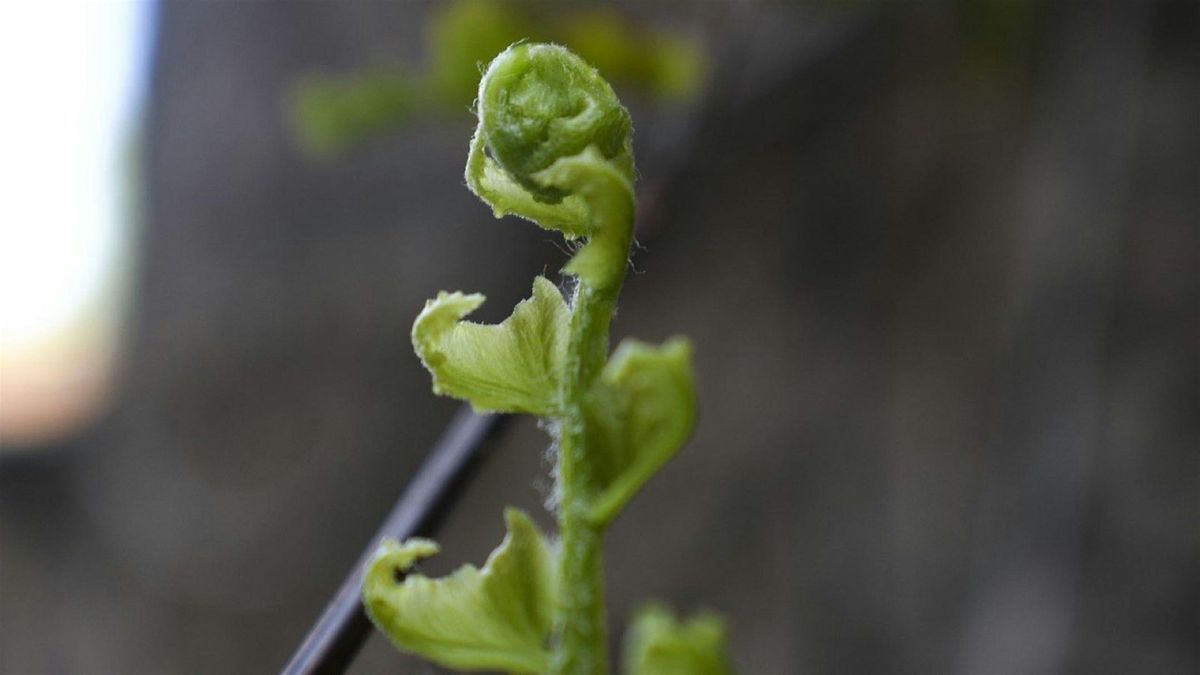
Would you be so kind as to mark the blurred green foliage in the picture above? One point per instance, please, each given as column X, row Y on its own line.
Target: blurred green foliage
column 333, row 112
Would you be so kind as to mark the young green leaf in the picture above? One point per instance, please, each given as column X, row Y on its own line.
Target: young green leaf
column 554, row 146
column 540, row 102
column 515, row 366
column 608, row 196
column 640, row 411
column 658, row 644
column 506, row 196
column 496, row 618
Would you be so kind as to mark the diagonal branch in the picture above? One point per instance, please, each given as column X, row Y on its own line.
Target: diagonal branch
column 343, row 627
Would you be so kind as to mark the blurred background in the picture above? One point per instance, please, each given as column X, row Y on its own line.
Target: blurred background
column 939, row 261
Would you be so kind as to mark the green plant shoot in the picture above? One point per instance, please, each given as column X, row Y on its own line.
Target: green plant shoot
column 553, row 146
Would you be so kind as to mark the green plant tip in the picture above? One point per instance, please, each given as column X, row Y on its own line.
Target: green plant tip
column 540, row 102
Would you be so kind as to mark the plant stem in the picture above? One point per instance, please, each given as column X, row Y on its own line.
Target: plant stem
column 582, row 643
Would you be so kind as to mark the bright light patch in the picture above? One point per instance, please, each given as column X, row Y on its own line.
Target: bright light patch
column 71, row 73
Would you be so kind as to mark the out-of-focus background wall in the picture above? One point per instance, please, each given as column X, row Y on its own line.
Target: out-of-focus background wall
column 939, row 261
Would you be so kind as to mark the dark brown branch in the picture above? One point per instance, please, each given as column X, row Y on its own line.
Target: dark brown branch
column 343, row 627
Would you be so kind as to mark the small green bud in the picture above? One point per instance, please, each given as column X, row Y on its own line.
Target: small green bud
column 539, row 103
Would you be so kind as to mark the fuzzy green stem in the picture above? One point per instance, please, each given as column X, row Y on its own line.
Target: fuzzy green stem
column 554, row 146
column 582, row 643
